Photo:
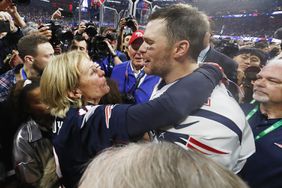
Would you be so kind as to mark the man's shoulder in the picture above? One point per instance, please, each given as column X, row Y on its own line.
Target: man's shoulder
column 152, row 78
column 221, row 103
column 121, row 65
column 119, row 68
column 247, row 107
column 9, row 75
column 215, row 56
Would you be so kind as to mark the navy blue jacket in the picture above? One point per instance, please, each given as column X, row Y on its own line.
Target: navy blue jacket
column 124, row 76
column 264, row 168
column 107, row 63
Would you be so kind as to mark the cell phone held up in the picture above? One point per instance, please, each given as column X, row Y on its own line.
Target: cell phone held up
column 4, row 26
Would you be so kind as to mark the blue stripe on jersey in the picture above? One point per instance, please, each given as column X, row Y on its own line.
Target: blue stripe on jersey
column 221, row 119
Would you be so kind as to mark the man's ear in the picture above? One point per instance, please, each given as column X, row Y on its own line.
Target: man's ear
column 28, row 59
column 75, row 94
column 181, row 49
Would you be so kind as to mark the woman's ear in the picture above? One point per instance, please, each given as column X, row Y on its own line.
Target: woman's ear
column 75, row 94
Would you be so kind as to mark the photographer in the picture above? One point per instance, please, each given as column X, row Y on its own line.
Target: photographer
column 127, row 26
column 112, row 56
column 79, row 43
column 58, row 36
column 82, row 28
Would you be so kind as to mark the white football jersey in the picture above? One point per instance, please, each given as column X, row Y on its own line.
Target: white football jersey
column 218, row 129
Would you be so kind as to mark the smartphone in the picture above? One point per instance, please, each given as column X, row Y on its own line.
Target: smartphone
column 4, row 26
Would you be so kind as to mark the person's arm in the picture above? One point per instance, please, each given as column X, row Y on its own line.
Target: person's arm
column 28, row 169
column 182, row 98
column 113, row 54
column 12, row 10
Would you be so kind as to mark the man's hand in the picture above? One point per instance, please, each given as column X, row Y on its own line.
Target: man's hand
column 45, row 31
column 5, row 16
column 12, row 10
column 57, row 14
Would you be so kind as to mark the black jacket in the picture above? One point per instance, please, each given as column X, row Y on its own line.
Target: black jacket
column 229, row 66
column 33, row 156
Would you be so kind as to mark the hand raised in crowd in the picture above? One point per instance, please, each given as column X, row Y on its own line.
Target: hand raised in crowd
column 5, row 16
column 15, row 59
column 81, row 28
column 111, row 49
column 122, row 23
column 45, row 31
column 85, row 36
column 57, row 14
column 13, row 11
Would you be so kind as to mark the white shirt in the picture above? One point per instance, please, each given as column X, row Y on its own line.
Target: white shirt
column 218, row 129
column 203, row 54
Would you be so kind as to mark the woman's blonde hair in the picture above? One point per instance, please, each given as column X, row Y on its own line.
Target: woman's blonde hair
column 153, row 165
column 60, row 77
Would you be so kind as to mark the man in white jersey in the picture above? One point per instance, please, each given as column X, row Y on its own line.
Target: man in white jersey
column 173, row 40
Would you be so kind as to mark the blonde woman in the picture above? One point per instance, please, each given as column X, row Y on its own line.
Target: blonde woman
column 72, row 85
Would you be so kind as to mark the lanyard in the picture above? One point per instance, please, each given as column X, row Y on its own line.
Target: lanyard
column 267, row 130
column 252, row 112
column 23, row 74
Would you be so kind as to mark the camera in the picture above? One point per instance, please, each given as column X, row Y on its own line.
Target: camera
column 226, row 46
column 21, row 2
column 128, row 98
column 58, row 33
column 99, row 48
column 129, row 21
column 4, row 26
column 91, row 29
column 250, row 75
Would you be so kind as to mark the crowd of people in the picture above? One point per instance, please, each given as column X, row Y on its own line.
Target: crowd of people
column 91, row 106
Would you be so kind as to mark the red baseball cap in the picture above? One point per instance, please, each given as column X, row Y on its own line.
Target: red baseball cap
column 136, row 35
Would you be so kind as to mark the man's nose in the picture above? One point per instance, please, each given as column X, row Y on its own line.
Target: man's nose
column 143, row 47
column 101, row 72
column 260, row 82
column 247, row 61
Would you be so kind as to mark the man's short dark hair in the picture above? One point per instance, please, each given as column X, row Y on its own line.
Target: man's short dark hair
column 184, row 22
column 254, row 51
column 28, row 44
column 78, row 38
